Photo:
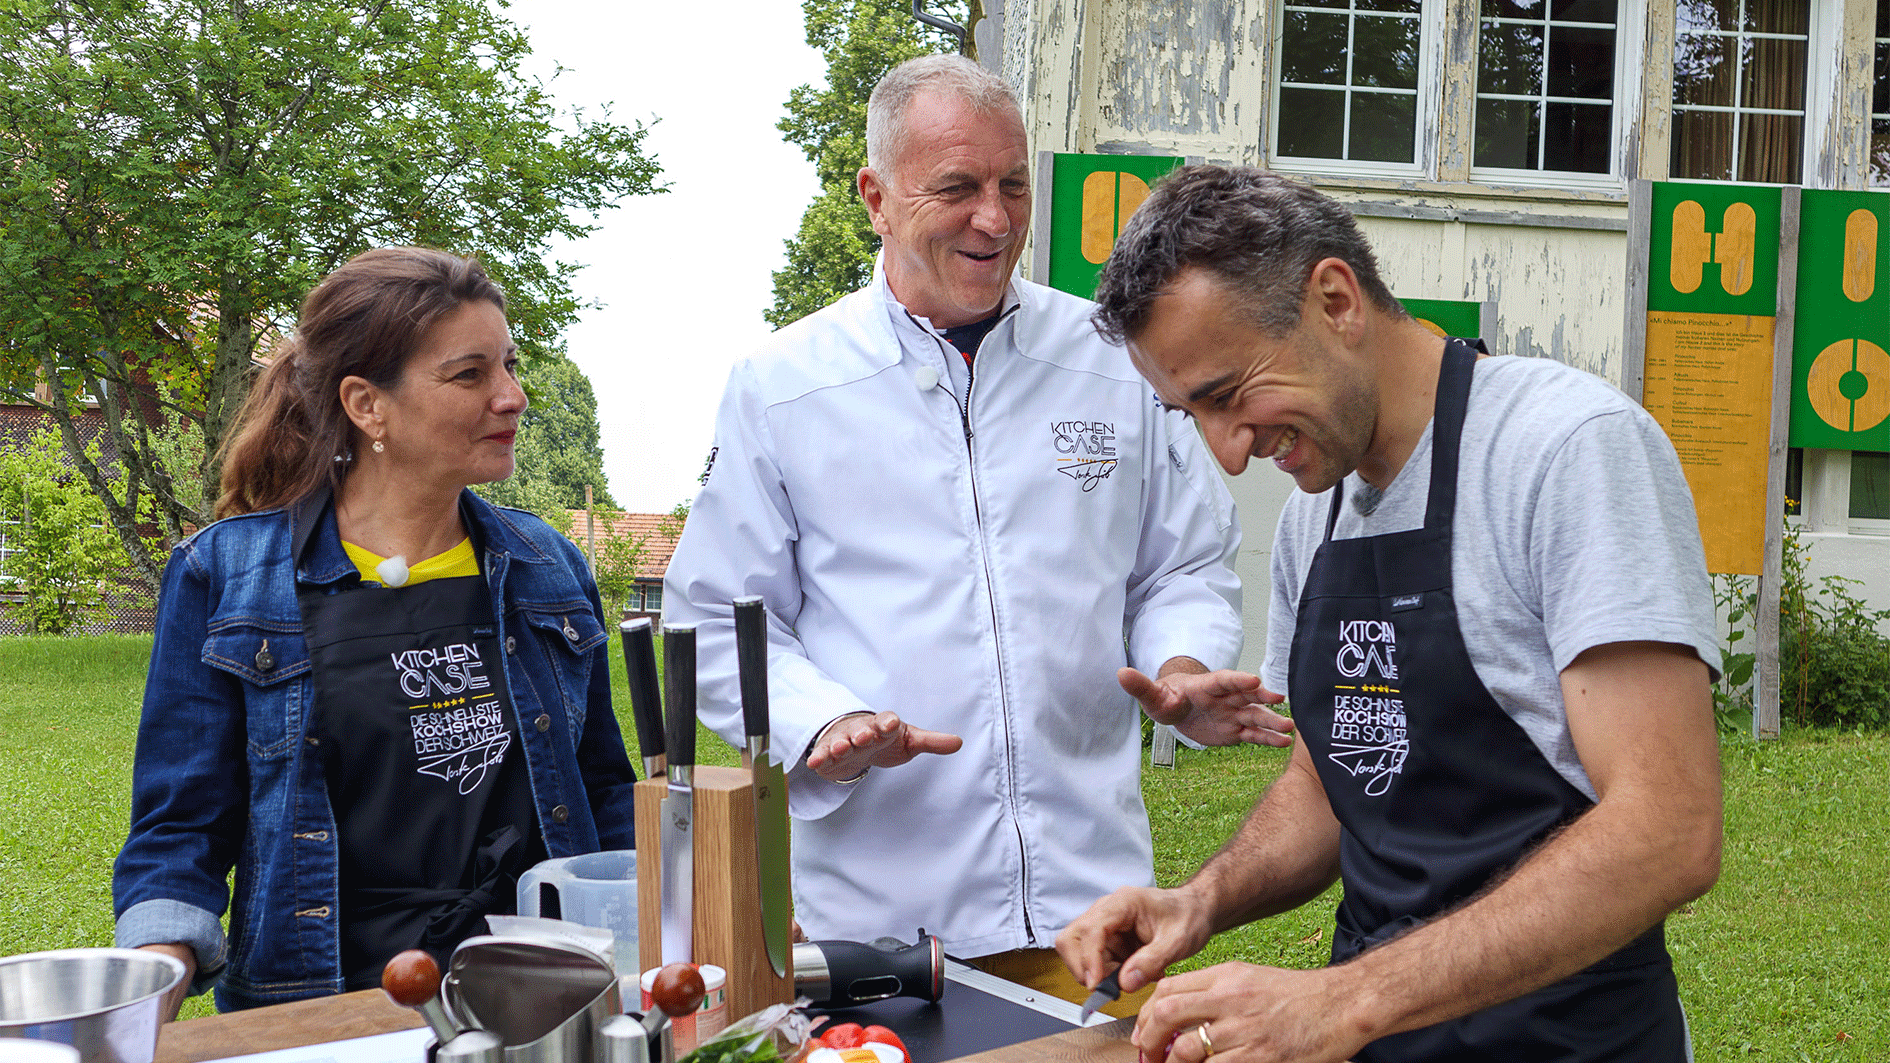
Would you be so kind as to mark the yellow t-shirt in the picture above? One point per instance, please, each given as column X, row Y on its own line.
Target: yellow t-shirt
column 458, row 561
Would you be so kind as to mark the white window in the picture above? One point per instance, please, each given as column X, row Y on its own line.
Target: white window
column 1545, row 86
column 1870, row 492
column 1349, row 84
column 1739, row 90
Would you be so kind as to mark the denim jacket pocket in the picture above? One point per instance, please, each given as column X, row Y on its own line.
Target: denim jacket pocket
column 576, row 633
column 265, row 659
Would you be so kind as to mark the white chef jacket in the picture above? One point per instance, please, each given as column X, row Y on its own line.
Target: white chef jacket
column 980, row 565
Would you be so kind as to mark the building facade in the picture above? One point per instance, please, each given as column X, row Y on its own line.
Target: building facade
column 1486, row 147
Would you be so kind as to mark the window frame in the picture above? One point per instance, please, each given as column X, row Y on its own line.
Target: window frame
column 1424, row 137
column 1807, row 113
column 1613, row 179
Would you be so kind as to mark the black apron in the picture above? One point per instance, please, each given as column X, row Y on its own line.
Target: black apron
column 426, row 776
column 1437, row 790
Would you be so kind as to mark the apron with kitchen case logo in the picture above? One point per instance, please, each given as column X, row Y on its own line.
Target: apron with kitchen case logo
column 1438, row 791
column 433, row 808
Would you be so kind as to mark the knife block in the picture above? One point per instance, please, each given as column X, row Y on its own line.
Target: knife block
column 727, row 911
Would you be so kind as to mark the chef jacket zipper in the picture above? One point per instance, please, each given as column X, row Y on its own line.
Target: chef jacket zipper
column 990, row 593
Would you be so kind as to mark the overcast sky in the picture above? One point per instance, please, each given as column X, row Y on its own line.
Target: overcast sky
column 684, row 276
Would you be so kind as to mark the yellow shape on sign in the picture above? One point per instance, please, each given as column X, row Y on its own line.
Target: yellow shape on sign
column 1849, row 385
column 1860, row 255
column 1109, row 197
column 1730, row 248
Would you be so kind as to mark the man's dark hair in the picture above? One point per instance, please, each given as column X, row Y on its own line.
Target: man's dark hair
column 1255, row 232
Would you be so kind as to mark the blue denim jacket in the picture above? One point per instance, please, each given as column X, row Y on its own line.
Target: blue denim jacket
column 227, row 773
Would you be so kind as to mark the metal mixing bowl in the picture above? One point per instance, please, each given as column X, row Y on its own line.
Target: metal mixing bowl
column 103, row 1002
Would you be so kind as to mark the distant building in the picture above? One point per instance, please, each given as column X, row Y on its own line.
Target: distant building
column 658, row 533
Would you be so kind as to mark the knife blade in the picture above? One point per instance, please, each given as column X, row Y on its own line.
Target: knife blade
column 771, row 816
column 1107, row 992
column 679, row 863
column 646, row 697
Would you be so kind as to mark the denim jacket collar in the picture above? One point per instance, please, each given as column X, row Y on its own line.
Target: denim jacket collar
column 321, row 561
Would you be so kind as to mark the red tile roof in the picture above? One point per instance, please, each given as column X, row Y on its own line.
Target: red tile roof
column 651, row 527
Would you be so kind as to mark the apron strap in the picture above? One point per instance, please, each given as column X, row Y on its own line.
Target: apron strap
column 1332, row 515
column 1453, row 399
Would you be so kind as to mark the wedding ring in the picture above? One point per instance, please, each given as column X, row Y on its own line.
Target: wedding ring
column 1206, row 1043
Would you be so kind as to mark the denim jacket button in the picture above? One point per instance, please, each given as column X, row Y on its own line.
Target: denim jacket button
column 570, row 632
column 543, row 723
column 265, row 661
column 560, row 814
column 511, row 645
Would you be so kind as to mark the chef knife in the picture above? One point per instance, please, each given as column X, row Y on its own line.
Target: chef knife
column 1107, row 991
column 646, row 698
column 771, row 817
column 679, row 857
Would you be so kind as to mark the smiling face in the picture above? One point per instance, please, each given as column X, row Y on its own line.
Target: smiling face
column 452, row 419
column 954, row 210
column 1304, row 399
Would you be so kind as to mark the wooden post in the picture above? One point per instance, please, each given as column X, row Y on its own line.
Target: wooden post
column 1765, row 665
column 1161, row 751
column 727, row 914
column 590, row 532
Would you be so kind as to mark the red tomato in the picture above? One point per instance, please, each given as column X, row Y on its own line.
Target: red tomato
column 881, row 1035
column 845, row 1035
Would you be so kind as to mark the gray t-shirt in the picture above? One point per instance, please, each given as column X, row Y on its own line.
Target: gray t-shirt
column 1574, row 529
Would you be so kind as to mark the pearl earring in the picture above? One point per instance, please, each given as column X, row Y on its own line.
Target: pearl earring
column 379, row 447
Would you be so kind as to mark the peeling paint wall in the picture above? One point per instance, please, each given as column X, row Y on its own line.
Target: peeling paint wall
column 1559, row 293
column 1169, row 68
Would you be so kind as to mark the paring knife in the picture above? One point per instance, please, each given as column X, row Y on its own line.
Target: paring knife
column 646, row 697
column 1107, row 992
column 771, row 816
column 679, row 857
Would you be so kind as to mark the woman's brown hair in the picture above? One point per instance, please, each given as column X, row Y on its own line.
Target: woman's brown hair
column 363, row 320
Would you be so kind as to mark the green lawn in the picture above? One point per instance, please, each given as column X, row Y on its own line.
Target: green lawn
column 1785, row 960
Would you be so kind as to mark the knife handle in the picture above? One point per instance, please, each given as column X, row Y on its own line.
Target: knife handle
column 679, row 682
column 751, row 656
column 646, row 697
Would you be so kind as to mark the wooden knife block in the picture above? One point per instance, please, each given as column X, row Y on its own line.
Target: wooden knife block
column 728, row 887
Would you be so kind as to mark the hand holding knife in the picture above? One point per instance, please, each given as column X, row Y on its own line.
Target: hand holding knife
column 1107, row 992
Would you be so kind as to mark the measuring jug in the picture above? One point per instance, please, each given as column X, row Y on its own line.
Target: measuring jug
column 596, row 889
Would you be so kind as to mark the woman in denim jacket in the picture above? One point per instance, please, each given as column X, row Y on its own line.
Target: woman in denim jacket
column 376, row 748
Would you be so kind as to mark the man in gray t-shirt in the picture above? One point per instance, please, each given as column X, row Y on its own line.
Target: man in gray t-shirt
column 1491, row 616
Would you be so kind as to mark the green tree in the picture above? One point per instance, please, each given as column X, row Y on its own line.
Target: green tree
column 59, row 554
column 832, row 254
column 180, row 172
column 558, row 449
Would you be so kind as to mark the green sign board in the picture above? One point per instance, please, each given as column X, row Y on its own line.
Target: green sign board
column 1448, row 317
column 1712, row 300
column 1718, row 246
column 1840, row 371
column 1090, row 197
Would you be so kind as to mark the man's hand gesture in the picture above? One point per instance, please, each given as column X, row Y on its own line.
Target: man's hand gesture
column 852, row 744
column 1214, row 708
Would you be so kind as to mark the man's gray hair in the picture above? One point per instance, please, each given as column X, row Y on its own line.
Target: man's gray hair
column 951, row 75
column 1257, row 233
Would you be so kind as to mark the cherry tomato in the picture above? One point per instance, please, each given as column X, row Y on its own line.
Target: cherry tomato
column 845, row 1035
column 881, row 1035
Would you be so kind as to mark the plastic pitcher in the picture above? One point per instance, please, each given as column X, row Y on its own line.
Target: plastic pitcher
column 596, row 889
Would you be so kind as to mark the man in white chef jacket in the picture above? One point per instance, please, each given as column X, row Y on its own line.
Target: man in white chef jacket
column 982, row 542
